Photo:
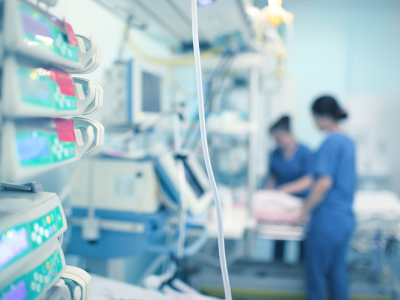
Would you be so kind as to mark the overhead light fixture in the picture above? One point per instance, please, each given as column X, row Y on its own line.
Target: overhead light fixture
column 275, row 2
column 206, row 2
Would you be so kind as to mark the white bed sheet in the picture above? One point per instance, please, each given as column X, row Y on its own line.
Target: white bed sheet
column 108, row 289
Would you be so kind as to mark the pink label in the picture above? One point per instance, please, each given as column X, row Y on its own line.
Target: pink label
column 71, row 35
column 65, row 130
column 64, row 81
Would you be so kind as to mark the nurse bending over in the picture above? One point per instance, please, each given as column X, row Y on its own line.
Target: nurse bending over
column 330, row 205
column 289, row 172
column 290, row 162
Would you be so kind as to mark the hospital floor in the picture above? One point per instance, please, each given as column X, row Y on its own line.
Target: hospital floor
column 274, row 281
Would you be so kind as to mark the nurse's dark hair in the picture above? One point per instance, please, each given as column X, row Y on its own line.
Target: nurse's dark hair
column 327, row 106
column 282, row 124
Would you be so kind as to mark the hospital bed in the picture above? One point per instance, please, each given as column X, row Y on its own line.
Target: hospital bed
column 108, row 289
column 373, row 261
column 374, row 211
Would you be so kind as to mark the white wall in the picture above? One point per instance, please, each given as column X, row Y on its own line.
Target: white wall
column 345, row 50
column 351, row 49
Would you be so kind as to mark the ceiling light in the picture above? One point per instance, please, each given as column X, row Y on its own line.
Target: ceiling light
column 205, row 2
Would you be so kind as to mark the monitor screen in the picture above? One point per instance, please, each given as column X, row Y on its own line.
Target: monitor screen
column 151, row 93
column 35, row 89
column 35, row 26
column 192, row 180
column 12, row 244
column 17, row 292
column 32, row 147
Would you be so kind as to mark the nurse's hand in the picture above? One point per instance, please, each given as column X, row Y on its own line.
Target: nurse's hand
column 302, row 217
column 285, row 189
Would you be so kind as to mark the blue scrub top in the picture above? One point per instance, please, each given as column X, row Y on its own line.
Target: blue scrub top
column 336, row 159
column 285, row 171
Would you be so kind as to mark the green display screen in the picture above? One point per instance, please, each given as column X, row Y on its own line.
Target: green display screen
column 14, row 243
column 38, row 89
column 42, row 32
column 37, row 148
column 31, row 285
column 18, row 241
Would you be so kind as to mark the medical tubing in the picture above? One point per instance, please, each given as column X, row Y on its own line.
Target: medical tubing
column 211, row 95
column 202, row 119
column 70, row 183
column 219, row 69
column 192, row 144
column 169, row 62
column 181, row 184
column 196, row 246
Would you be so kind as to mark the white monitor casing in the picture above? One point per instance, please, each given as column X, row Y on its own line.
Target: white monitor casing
column 139, row 67
column 13, row 39
column 195, row 204
column 81, row 278
column 14, row 105
column 124, row 92
column 49, row 253
column 18, row 208
column 117, row 185
column 10, row 166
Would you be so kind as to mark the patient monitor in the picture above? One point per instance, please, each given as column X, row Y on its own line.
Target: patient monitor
column 138, row 91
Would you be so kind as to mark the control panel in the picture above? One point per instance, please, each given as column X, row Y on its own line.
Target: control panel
column 48, row 148
column 33, row 32
column 47, row 32
column 41, row 129
column 40, row 51
column 35, row 282
column 35, row 146
column 31, row 89
column 47, row 88
column 27, row 225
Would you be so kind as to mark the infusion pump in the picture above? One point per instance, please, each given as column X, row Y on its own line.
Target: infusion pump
column 38, row 53
column 32, row 32
column 32, row 264
column 32, row 89
column 33, row 146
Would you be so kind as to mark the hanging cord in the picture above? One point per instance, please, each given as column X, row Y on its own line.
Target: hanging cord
column 222, row 68
column 208, row 105
column 181, row 184
column 202, row 120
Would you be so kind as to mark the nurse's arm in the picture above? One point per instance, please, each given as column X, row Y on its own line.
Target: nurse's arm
column 297, row 186
column 318, row 192
column 271, row 182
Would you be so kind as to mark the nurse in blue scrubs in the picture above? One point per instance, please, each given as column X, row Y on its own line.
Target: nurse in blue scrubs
column 289, row 172
column 290, row 162
column 330, row 205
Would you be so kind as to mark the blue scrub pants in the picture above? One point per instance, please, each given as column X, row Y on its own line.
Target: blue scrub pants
column 325, row 254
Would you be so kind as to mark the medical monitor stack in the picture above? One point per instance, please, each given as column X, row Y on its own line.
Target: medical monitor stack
column 39, row 53
column 41, row 128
